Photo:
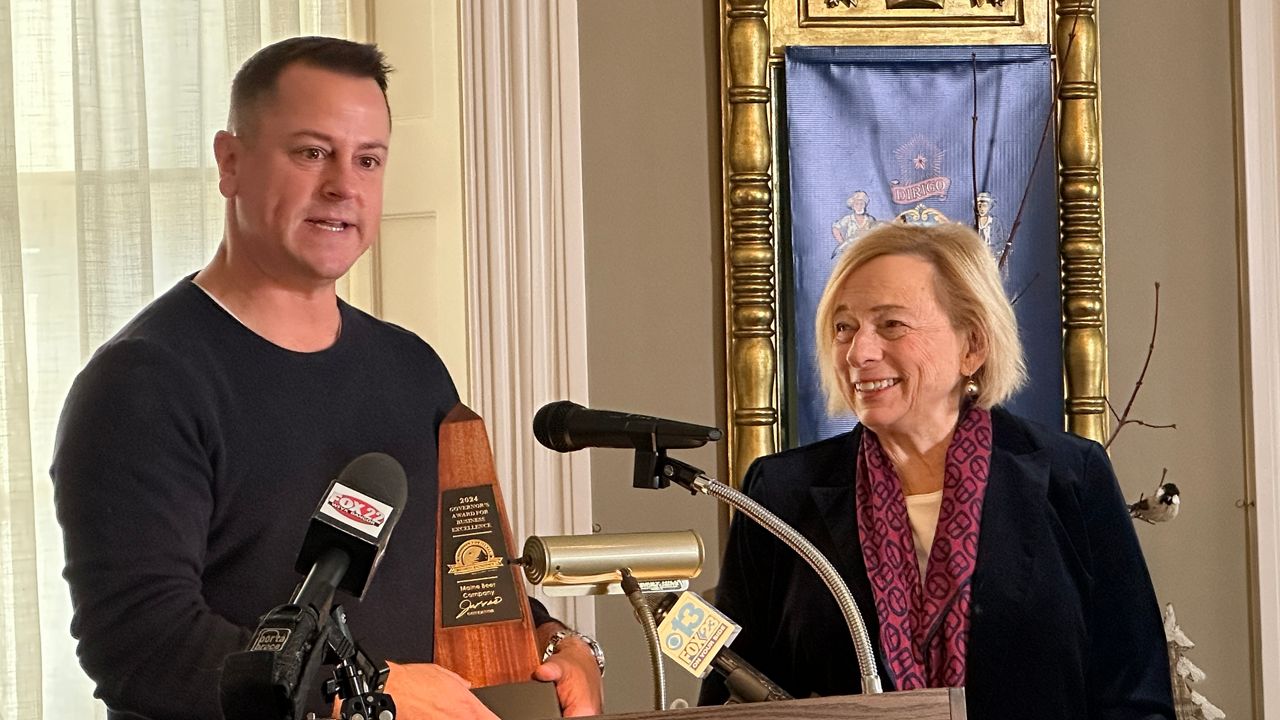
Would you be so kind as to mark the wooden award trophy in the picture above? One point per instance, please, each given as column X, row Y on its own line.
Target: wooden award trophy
column 484, row 629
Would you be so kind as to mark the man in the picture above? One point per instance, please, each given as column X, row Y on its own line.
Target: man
column 848, row 228
column 196, row 443
column 990, row 228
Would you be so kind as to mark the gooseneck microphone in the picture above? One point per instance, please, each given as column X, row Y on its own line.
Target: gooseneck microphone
column 566, row 426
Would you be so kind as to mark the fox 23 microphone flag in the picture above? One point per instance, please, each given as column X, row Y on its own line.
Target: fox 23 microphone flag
column 878, row 134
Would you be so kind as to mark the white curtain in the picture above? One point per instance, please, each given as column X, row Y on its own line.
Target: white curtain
column 107, row 196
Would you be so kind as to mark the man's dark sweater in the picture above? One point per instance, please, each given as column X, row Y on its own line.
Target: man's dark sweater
column 190, row 456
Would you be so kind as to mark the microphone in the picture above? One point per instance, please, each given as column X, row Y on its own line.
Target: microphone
column 696, row 627
column 272, row 676
column 592, row 564
column 353, row 521
column 566, row 426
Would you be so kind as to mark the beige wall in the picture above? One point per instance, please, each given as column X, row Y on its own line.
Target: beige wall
column 650, row 147
column 1170, row 217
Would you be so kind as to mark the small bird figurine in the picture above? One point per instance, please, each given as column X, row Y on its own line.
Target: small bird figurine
column 1161, row 507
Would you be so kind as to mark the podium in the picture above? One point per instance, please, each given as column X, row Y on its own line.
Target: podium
column 934, row 704
column 487, row 634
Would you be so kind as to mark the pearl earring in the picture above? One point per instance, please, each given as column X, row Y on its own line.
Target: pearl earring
column 971, row 387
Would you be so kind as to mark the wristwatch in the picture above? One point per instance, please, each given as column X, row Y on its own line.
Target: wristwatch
column 554, row 644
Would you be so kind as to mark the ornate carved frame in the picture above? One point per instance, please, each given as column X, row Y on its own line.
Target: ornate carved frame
column 753, row 35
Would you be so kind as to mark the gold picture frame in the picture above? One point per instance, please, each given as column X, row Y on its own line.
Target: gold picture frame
column 753, row 36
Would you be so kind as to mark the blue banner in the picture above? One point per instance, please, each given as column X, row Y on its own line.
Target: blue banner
column 882, row 134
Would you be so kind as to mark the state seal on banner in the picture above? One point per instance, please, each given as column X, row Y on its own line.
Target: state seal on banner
column 920, row 177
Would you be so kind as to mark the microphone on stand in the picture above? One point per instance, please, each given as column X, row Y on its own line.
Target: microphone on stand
column 272, row 676
column 698, row 621
column 566, row 426
column 353, row 520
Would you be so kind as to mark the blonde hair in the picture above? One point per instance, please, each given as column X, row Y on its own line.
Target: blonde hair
column 968, row 289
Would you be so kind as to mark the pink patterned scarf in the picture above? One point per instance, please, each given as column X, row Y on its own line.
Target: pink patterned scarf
column 924, row 629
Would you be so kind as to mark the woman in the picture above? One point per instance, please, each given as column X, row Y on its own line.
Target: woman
column 984, row 551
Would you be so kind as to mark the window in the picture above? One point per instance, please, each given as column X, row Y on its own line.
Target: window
column 108, row 194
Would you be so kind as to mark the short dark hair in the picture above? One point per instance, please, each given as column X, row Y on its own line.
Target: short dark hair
column 257, row 78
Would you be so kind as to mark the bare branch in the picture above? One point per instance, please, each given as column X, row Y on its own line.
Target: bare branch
column 1151, row 348
column 1024, row 289
column 1137, row 386
column 1048, row 123
column 973, row 141
column 1143, row 423
column 1112, row 408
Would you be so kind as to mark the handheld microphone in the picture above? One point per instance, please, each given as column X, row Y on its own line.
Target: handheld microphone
column 344, row 543
column 592, row 564
column 695, row 629
column 566, row 426
column 354, row 519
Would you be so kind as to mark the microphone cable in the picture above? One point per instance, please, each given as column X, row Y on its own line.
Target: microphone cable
column 644, row 614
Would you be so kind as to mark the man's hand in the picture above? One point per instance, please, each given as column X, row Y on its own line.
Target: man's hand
column 426, row 691
column 577, row 677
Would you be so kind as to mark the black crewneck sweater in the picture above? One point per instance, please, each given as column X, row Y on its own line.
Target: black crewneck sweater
column 190, row 455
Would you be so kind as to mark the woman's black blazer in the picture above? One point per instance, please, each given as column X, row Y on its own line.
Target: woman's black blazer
column 1063, row 619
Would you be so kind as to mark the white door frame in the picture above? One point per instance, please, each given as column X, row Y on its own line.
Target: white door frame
column 1259, row 171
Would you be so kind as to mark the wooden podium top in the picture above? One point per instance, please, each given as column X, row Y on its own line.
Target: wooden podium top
column 935, row 704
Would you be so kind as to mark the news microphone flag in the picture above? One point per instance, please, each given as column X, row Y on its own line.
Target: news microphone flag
column 693, row 632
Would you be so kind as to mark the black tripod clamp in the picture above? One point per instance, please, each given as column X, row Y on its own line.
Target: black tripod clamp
column 358, row 680
column 274, row 677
